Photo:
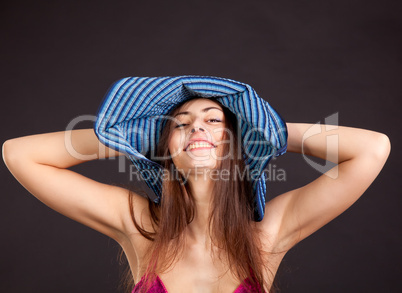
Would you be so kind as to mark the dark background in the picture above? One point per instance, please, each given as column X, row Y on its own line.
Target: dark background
column 309, row 59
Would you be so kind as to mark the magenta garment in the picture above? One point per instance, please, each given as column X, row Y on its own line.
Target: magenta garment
column 159, row 287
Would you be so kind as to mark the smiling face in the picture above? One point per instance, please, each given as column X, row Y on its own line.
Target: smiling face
column 197, row 134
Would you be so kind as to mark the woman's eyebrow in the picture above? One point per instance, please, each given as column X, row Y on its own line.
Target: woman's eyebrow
column 203, row 110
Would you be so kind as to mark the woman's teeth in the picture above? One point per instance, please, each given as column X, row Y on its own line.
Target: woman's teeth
column 199, row 145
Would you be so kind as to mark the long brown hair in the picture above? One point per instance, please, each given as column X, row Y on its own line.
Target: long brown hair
column 231, row 221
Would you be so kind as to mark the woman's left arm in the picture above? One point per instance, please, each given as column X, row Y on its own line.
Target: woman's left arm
column 360, row 155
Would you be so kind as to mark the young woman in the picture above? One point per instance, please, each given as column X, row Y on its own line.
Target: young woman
column 202, row 237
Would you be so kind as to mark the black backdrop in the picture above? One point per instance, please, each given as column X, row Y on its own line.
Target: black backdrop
column 309, row 59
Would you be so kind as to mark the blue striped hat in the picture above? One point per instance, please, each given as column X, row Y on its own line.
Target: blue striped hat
column 129, row 121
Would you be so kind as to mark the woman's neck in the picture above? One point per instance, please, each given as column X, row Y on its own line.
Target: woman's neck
column 201, row 189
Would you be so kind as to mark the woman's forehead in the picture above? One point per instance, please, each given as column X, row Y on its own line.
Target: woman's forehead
column 199, row 102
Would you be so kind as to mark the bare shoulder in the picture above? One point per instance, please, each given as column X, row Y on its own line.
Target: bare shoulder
column 274, row 235
column 139, row 210
column 134, row 244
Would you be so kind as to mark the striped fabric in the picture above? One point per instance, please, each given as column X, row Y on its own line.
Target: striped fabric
column 131, row 116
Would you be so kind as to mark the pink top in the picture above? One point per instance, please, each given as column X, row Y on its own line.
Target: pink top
column 159, row 287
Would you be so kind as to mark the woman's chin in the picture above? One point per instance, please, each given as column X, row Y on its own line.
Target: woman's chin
column 199, row 166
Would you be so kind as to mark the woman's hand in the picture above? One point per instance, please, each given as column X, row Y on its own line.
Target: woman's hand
column 360, row 155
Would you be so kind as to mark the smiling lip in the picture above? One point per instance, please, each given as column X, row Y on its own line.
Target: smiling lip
column 199, row 140
column 200, row 148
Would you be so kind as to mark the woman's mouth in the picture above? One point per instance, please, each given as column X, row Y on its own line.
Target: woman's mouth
column 201, row 145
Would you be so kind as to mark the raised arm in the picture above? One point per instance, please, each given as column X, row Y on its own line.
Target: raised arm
column 360, row 155
column 39, row 163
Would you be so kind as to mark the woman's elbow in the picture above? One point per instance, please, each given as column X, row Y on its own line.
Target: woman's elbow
column 10, row 152
column 381, row 146
column 6, row 152
column 384, row 145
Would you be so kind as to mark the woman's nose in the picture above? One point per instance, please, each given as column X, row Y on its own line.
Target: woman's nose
column 197, row 127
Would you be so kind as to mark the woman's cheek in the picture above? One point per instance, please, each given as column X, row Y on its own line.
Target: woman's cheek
column 175, row 147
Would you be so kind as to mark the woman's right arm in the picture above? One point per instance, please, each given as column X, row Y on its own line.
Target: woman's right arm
column 39, row 163
column 360, row 155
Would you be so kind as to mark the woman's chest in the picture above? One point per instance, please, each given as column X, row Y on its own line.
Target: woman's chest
column 197, row 270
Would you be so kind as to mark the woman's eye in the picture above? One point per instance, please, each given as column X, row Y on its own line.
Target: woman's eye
column 215, row 120
column 180, row 125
